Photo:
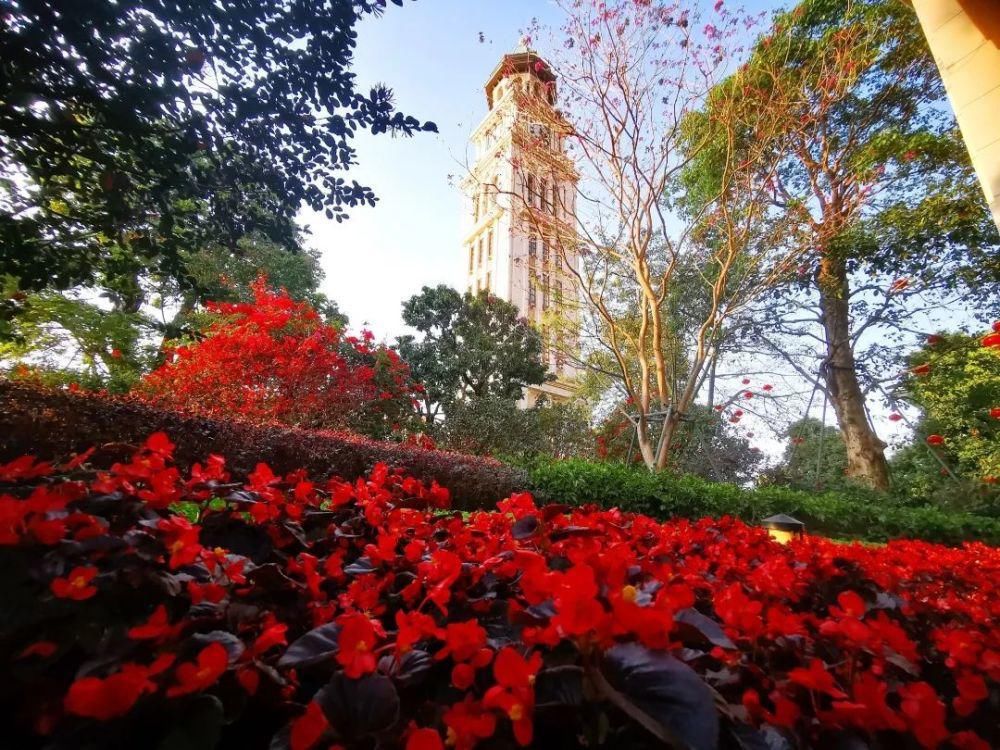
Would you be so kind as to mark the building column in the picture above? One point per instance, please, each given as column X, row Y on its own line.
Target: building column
column 964, row 37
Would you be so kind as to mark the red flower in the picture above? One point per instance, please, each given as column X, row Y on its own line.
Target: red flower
column 514, row 692
column 933, row 339
column 851, row 605
column 273, row 635
column 972, row 691
column 745, row 381
column 463, row 641
column 463, row 676
column 159, row 444
column 424, row 739
column 514, row 671
column 747, row 394
column 156, row 628
column 356, row 645
column 41, row 649
column 924, row 712
column 817, row 678
column 468, row 722
column 935, row 440
column 308, row 728
column 895, row 417
column 108, row 697
column 181, row 540
column 921, row 370
column 412, row 627
column 767, row 387
column 211, row 662
column 992, row 340
column 76, row 585
column 577, row 609
column 995, row 412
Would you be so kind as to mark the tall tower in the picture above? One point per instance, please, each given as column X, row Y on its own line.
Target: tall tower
column 520, row 241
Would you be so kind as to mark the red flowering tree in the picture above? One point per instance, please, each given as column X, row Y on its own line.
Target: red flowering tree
column 297, row 613
column 275, row 359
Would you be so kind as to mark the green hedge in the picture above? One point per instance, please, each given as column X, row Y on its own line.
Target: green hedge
column 663, row 495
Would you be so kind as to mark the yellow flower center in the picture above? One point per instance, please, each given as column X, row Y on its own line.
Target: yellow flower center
column 516, row 712
column 451, row 738
column 629, row 593
column 79, row 582
column 362, row 646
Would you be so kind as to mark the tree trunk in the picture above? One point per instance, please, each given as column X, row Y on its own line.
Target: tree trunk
column 865, row 451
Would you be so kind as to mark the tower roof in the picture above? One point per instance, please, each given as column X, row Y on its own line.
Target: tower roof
column 522, row 60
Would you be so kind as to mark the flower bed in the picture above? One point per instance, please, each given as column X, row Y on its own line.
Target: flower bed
column 281, row 612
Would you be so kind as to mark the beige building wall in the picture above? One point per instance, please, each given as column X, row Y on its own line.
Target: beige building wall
column 964, row 37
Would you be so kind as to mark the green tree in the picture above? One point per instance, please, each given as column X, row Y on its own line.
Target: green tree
column 704, row 446
column 496, row 426
column 814, row 459
column 131, row 132
column 472, row 347
column 61, row 339
column 883, row 203
column 955, row 382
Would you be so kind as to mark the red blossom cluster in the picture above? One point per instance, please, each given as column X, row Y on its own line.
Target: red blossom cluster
column 144, row 607
column 275, row 359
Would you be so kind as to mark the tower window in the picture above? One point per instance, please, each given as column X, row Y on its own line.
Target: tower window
column 559, row 293
column 545, row 251
column 488, row 287
column 489, row 244
column 559, row 260
column 545, row 292
column 480, row 246
column 531, row 190
column 532, row 294
column 472, row 258
column 532, row 247
column 544, row 204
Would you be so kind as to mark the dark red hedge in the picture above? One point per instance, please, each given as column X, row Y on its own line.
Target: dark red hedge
column 52, row 423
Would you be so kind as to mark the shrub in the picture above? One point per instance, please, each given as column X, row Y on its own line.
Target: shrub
column 275, row 360
column 840, row 514
column 287, row 613
column 54, row 423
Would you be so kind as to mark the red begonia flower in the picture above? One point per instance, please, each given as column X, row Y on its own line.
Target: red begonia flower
column 193, row 677
column 109, row 697
column 308, row 728
column 76, row 584
column 356, row 645
column 424, row 739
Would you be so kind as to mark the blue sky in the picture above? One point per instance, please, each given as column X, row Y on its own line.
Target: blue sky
column 430, row 54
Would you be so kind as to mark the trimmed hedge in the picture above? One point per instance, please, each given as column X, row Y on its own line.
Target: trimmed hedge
column 663, row 495
column 52, row 424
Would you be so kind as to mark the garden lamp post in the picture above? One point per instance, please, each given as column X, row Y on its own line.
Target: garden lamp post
column 783, row 528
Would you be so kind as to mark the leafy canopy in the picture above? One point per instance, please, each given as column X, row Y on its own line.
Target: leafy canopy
column 153, row 125
column 472, row 346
